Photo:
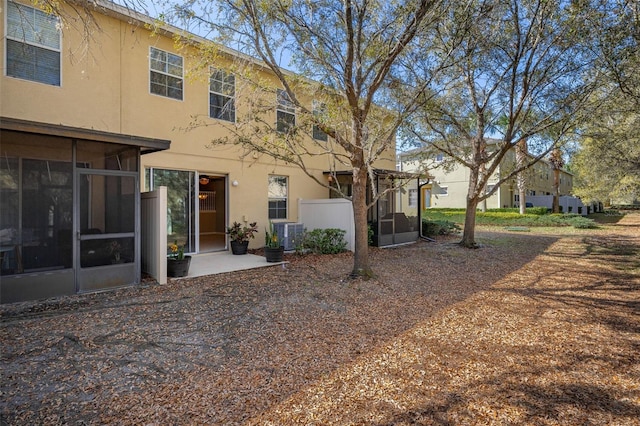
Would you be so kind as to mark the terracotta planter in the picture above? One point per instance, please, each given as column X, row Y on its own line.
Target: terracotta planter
column 178, row 268
column 274, row 254
column 239, row 247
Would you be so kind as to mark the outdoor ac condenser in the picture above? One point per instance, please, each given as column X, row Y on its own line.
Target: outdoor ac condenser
column 289, row 234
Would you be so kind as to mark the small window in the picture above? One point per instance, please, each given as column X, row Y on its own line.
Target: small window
column 444, row 190
column 278, row 194
column 285, row 112
column 222, row 92
column 413, row 198
column 439, row 157
column 165, row 74
column 319, row 110
column 33, row 44
column 489, row 188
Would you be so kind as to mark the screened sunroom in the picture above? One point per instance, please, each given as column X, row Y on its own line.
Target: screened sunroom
column 69, row 211
column 395, row 217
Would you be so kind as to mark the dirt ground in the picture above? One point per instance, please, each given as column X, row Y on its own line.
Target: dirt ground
column 532, row 328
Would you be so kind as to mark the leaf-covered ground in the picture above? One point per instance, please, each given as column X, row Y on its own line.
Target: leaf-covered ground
column 529, row 329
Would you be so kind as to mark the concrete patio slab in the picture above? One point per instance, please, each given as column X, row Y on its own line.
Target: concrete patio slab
column 221, row 262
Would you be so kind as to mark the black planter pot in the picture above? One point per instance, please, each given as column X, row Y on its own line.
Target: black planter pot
column 274, row 254
column 178, row 268
column 239, row 247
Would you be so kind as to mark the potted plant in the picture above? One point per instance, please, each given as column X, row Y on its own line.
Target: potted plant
column 273, row 251
column 177, row 263
column 115, row 249
column 240, row 236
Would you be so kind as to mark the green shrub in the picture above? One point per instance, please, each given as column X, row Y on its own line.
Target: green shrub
column 431, row 228
column 508, row 217
column 580, row 222
column 571, row 215
column 324, row 241
column 551, row 220
column 540, row 211
column 500, row 215
column 530, row 210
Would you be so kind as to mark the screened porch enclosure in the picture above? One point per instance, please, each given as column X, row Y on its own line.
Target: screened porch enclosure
column 394, row 218
column 69, row 217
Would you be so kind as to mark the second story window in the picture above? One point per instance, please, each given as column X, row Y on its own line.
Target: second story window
column 33, row 44
column 222, row 92
column 166, row 74
column 285, row 112
column 319, row 110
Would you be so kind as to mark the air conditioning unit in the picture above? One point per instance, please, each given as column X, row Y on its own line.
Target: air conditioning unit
column 289, row 234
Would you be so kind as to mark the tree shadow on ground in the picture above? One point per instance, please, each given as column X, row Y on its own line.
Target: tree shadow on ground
column 535, row 405
column 259, row 334
column 593, row 378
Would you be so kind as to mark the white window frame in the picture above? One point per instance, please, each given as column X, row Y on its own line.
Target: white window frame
column 226, row 90
column 166, row 71
column 444, row 191
column 319, row 110
column 272, row 188
column 413, row 197
column 285, row 108
column 32, row 36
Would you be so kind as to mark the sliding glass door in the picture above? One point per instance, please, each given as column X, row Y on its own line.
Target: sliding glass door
column 181, row 204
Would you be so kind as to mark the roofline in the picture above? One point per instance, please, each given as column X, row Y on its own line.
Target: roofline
column 381, row 172
column 123, row 13
column 406, row 155
column 146, row 144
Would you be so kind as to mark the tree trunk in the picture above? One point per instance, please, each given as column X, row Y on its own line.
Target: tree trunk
column 556, row 190
column 521, row 178
column 469, row 232
column 361, row 265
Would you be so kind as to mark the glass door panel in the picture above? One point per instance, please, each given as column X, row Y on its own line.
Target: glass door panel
column 181, row 208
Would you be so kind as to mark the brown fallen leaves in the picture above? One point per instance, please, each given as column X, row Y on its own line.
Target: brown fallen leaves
column 530, row 329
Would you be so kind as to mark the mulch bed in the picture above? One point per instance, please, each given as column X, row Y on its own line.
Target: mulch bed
column 528, row 329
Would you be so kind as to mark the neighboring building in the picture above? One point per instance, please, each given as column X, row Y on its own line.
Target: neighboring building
column 448, row 186
column 84, row 133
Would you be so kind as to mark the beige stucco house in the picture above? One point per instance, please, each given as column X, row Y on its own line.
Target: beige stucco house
column 86, row 127
column 448, row 186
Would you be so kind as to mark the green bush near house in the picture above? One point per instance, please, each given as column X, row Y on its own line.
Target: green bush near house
column 431, row 228
column 324, row 241
column 582, row 222
column 530, row 210
column 511, row 217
